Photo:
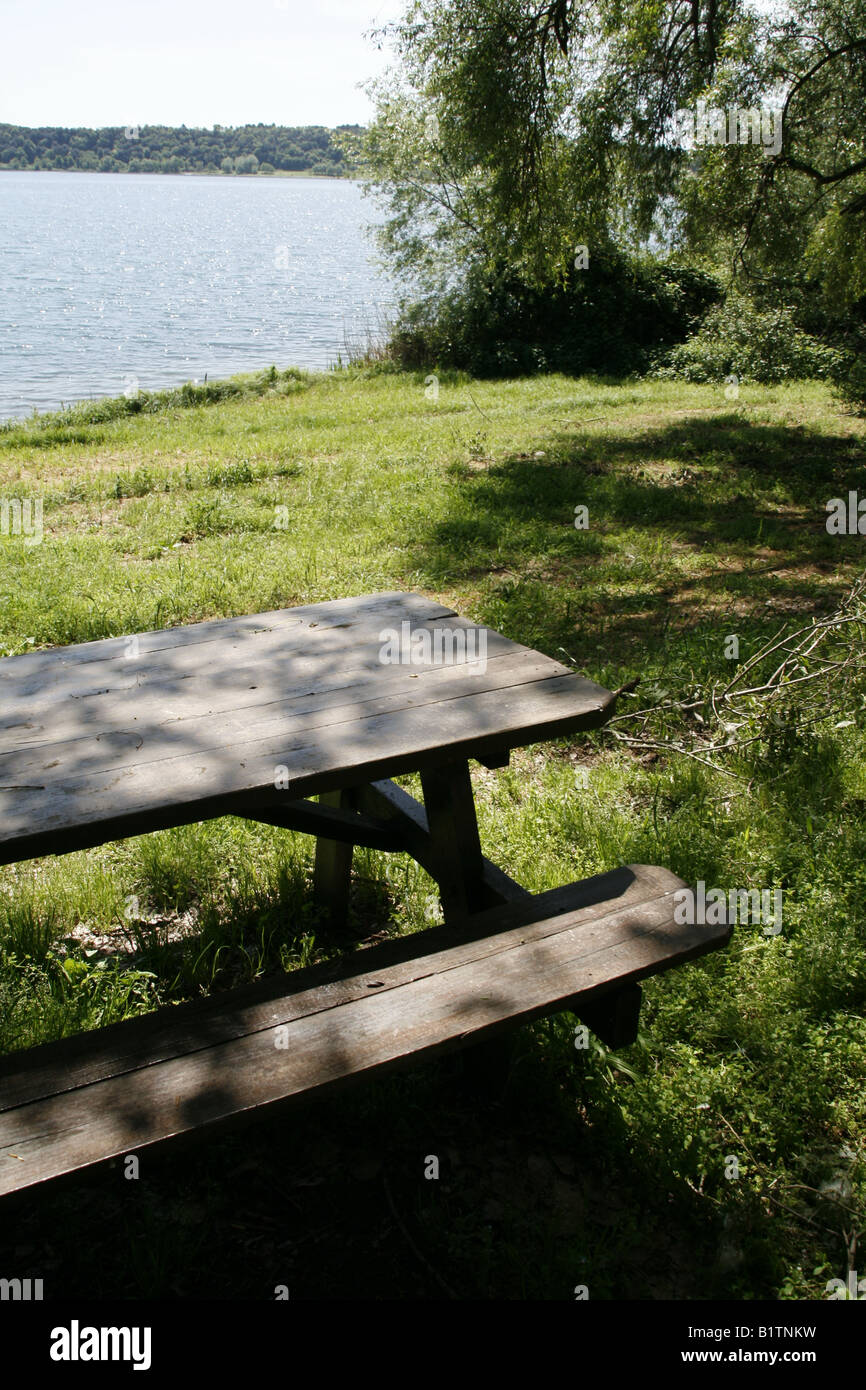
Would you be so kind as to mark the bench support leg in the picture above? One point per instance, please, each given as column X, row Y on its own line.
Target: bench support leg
column 613, row 1017
column 333, row 868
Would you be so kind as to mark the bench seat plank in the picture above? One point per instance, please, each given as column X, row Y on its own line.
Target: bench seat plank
column 75, row 1103
column 177, row 1029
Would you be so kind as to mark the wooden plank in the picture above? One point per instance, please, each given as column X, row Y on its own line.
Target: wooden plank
column 185, row 1028
column 386, row 799
column 308, row 706
column 389, row 1022
column 236, row 685
column 32, row 669
column 350, row 827
column 321, row 750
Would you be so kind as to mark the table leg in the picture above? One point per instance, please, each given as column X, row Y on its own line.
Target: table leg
column 455, row 845
column 390, row 805
column 458, row 867
column 333, row 868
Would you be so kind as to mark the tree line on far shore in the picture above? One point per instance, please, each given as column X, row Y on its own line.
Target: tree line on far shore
column 151, row 149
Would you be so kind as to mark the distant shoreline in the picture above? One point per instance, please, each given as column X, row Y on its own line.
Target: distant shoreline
column 194, row 174
column 310, row 151
column 161, row 400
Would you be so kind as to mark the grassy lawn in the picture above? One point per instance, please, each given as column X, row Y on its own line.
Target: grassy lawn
column 706, row 521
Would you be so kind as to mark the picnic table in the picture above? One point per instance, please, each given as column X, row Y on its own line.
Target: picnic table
column 253, row 717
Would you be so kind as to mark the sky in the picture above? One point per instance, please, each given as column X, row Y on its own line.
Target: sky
column 189, row 62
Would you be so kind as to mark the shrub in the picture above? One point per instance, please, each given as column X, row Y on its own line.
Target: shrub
column 754, row 344
column 850, row 376
column 612, row 317
column 852, row 384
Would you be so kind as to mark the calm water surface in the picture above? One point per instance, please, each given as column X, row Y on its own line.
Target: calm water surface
column 110, row 282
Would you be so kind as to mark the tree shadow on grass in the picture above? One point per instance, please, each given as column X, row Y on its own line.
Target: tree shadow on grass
column 749, row 498
column 531, row 1201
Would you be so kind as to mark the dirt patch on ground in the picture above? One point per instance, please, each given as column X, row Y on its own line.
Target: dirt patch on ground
column 124, row 941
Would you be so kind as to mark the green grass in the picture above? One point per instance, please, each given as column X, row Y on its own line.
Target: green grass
column 706, row 519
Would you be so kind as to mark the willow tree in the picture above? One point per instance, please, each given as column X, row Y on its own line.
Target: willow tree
column 793, row 216
column 510, row 132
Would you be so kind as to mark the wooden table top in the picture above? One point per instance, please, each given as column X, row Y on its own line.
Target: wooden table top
column 117, row 737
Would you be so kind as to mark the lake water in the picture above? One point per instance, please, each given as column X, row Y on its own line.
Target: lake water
column 110, row 282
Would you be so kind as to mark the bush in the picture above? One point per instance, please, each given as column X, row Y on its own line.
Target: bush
column 850, row 376
column 851, row 383
column 613, row 317
column 754, row 344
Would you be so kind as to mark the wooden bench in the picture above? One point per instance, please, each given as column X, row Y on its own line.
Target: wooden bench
column 70, row 1104
column 92, row 749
